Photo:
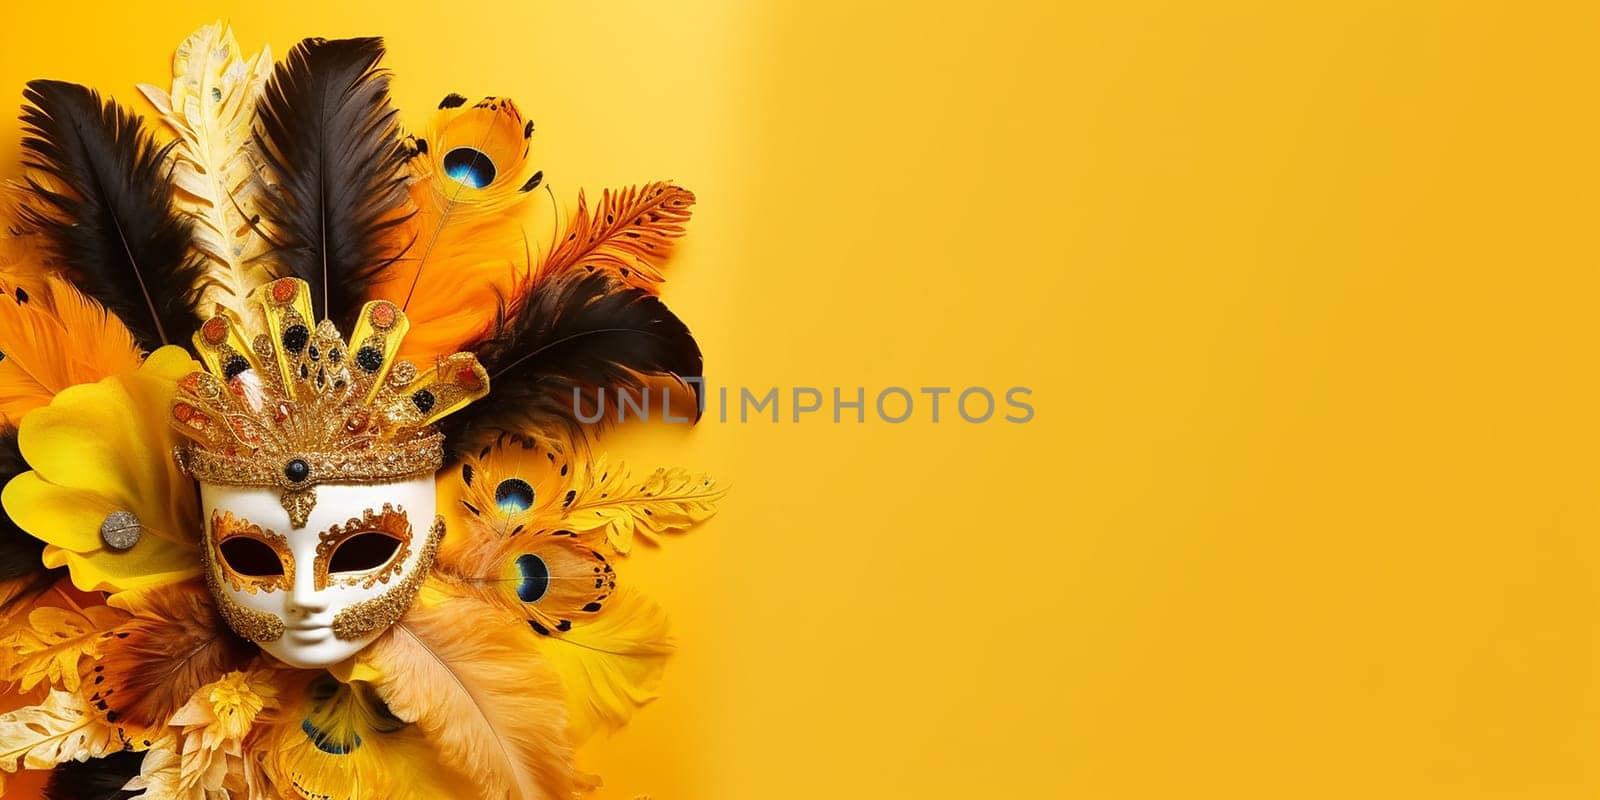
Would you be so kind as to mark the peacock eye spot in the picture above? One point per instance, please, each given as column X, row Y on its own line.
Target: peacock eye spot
column 250, row 557
column 363, row 551
column 469, row 167
column 535, row 578
column 513, row 495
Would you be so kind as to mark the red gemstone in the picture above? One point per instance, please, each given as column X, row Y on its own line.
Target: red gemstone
column 357, row 422
column 283, row 290
column 215, row 330
column 383, row 315
column 467, row 378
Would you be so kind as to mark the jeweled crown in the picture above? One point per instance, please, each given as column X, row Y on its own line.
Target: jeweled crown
column 294, row 405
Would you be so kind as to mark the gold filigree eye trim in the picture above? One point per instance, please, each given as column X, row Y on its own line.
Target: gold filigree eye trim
column 386, row 609
column 391, row 521
column 225, row 527
column 257, row 626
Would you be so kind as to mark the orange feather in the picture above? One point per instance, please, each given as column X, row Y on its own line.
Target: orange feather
column 468, row 249
column 52, row 337
column 482, row 694
column 631, row 232
column 151, row 664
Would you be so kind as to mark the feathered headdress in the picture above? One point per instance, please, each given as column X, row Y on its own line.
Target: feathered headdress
column 269, row 209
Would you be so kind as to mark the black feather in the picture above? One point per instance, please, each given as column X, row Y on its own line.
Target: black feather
column 330, row 136
column 20, row 553
column 581, row 331
column 95, row 779
column 102, row 197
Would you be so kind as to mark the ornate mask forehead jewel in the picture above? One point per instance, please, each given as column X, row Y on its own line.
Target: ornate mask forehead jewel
column 294, row 404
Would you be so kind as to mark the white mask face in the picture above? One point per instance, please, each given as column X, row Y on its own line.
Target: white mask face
column 315, row 595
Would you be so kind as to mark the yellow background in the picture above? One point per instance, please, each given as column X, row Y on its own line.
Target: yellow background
column 1305, row 294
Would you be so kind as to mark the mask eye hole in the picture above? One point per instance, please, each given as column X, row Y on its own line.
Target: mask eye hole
column 363, row 551
column 250, row 557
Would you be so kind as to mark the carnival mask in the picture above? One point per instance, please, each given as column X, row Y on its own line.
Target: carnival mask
column 316, row 461
column 316, row 594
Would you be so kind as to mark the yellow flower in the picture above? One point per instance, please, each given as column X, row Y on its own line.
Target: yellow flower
column 235, row 700
column 105, row 447
column 213, row 726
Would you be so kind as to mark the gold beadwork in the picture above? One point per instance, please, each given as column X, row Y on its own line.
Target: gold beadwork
column 386, row 609
column 397, row 462
column 299, row 502
column 257, row 626
column 224, row 527
column 390, row 520
column 293, row 406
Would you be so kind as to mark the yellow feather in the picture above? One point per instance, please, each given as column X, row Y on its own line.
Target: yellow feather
column 50, row 646
column 337, row 741
column 611, row 665
column 216, row 168
column 518, row 486
column 671, row 500
column 548, row 581
column 58, row 730
column 468, row 247
column 481, row 693
column 57, row 337
column 159, row 771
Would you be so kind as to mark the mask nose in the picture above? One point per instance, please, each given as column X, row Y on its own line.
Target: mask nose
column 303, row 598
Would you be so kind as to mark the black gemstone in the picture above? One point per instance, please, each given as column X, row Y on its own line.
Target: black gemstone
column 235, row 365
column 296, row 471
column 315, row 356
column 423, row 400
column 369, row 359
column 295, row 338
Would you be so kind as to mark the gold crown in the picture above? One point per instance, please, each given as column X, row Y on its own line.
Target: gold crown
column 293, row 406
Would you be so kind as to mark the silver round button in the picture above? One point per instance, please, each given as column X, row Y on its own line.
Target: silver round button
column 121, row 530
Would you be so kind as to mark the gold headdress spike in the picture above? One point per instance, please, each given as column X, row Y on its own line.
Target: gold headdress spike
column 295, row 405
